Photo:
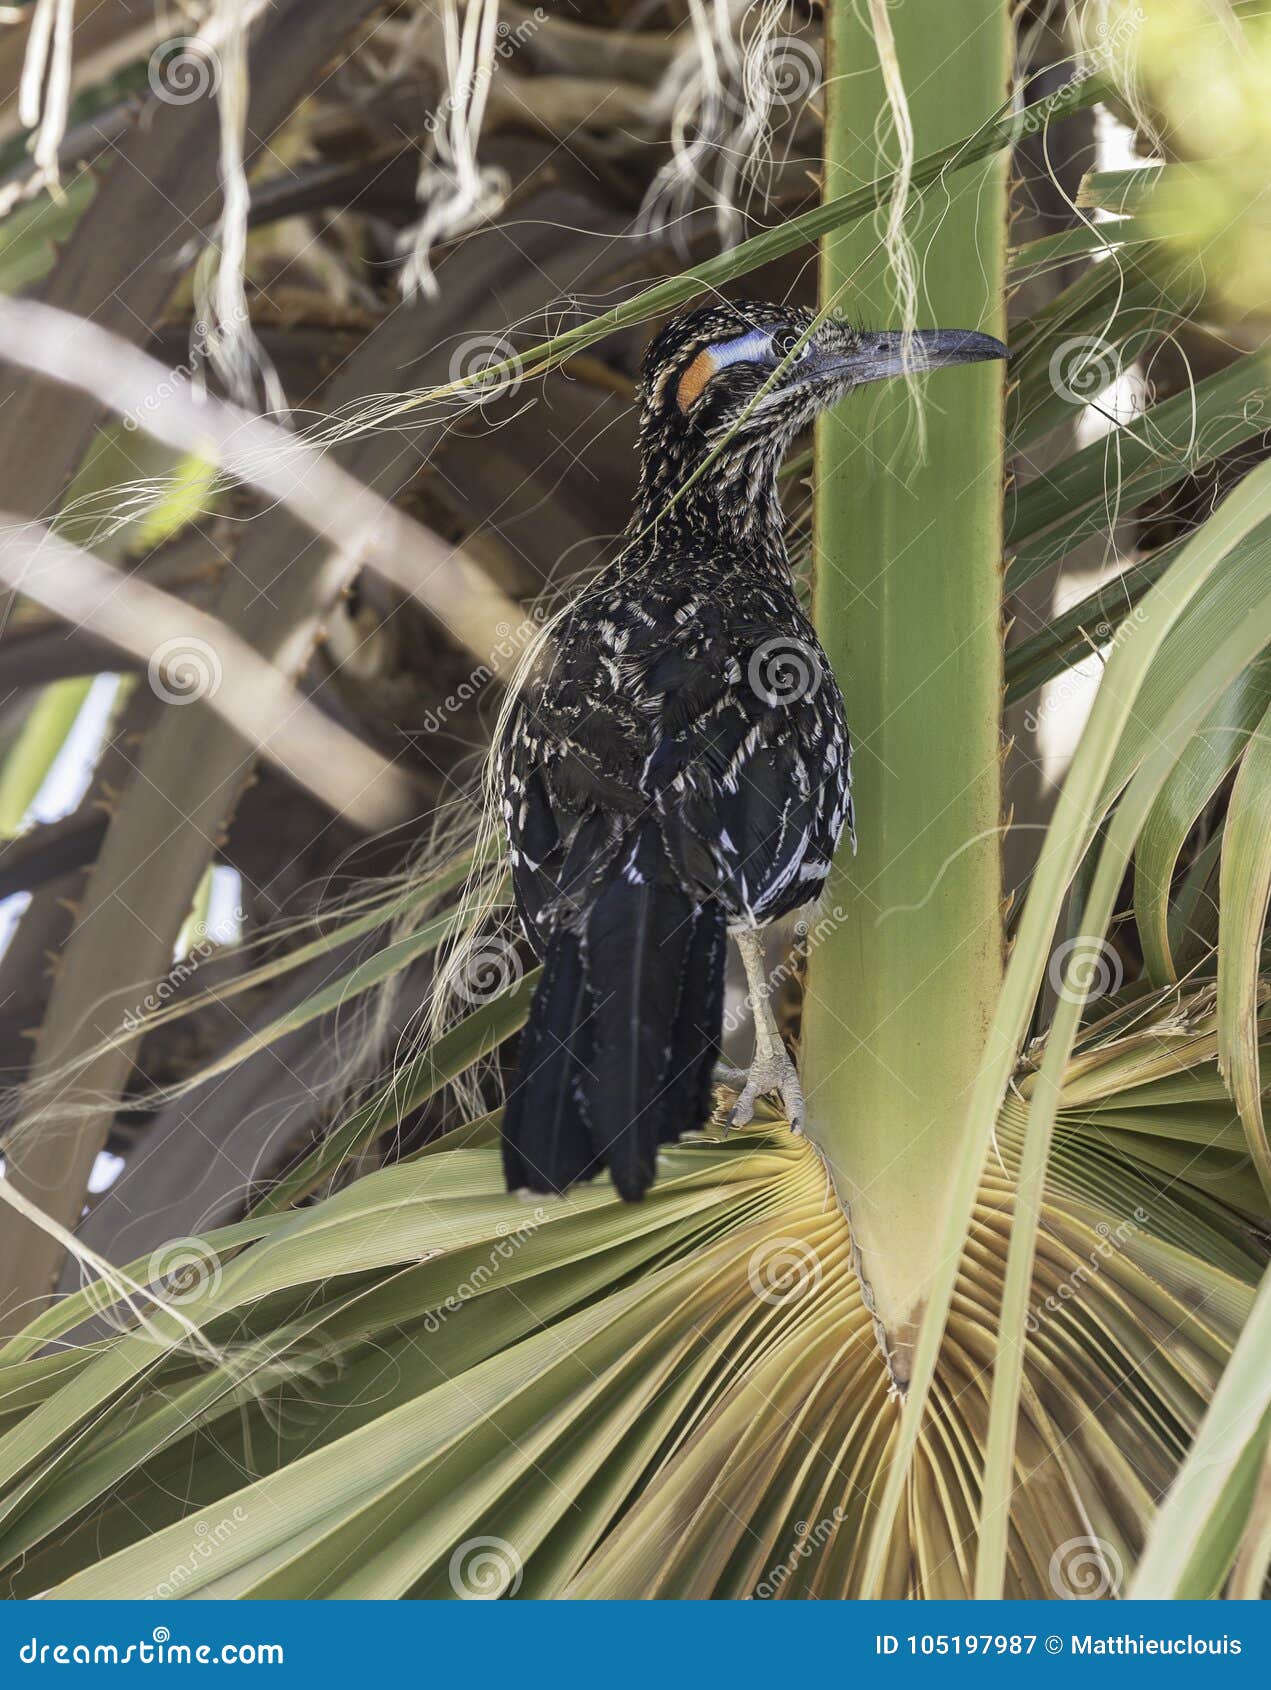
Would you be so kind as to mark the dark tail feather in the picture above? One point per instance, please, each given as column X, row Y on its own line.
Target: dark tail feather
column 655, row 982
column 546, row 1146
column 622, row 1038
column 699, row 1020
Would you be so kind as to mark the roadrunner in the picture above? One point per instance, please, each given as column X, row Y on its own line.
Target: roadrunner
column 675, row 766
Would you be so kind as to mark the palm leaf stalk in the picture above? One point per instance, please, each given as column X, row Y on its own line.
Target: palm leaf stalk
column 908, row 600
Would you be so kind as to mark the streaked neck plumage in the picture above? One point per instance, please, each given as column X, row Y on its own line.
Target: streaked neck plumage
column 689, row 500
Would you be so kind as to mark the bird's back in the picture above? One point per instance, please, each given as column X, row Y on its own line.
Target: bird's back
column 687, row 702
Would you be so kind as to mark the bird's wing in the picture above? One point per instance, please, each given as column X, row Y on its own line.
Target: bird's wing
column 750, row 768
column 569, row 777
column 669, row 716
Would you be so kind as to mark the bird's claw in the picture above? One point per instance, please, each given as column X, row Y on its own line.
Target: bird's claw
column 775, row 1075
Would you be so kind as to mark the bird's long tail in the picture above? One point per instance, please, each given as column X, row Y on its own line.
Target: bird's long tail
column 621, row 1042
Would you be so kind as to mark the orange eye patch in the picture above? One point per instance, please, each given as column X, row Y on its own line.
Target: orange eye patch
column 695, row 378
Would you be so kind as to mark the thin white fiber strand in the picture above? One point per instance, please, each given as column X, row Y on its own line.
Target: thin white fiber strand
column 696, row 94
column 734, row 70
column 44, row 94
column 230, row 346
column 454, row 191
column 896, row 243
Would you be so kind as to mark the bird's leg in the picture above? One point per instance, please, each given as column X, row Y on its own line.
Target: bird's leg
column 772, row 1069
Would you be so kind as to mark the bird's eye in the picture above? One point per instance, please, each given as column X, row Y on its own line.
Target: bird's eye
column 785, row 341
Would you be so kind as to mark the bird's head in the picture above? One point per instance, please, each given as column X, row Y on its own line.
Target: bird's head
column 747, row 370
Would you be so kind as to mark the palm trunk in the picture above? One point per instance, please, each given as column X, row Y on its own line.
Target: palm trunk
column 907, row 601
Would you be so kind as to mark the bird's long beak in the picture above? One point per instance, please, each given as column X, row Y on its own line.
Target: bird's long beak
column 891, row 353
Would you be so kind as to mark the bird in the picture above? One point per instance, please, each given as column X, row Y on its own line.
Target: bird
column 675, row 763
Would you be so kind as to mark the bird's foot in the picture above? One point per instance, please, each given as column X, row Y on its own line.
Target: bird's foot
column 772, row 1074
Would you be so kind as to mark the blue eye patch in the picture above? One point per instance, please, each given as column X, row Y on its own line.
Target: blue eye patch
column 752, row 347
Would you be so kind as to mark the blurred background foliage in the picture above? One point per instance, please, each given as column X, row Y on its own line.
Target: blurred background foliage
column 1207, row 78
